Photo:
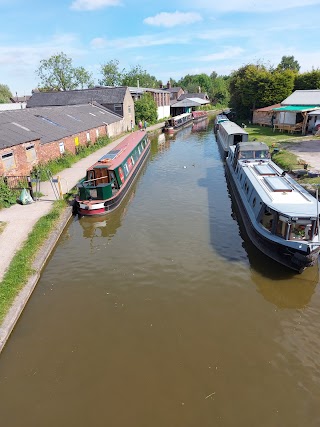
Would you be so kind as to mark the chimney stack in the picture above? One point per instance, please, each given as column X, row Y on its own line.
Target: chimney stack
column 169, row 84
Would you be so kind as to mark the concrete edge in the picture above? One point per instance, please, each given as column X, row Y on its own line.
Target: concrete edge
column 23, row 296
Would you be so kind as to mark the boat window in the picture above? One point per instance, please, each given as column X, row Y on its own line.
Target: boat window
column 126, row 170
column 246, row 154
column 267, row 220
column 261, row 154
column 132, row 159
column 300, row 231
column 254, row 202
column 282, row 226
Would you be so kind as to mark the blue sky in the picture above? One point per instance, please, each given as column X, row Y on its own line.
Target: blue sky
column 167, row 38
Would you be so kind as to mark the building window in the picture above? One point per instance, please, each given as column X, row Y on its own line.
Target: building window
column 129, row 109
column 8, row 161
column 88, row 136
column 31, row 153
column 97, row 133
column 117, row 108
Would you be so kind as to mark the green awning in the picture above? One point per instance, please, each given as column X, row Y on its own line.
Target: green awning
column 296, row 108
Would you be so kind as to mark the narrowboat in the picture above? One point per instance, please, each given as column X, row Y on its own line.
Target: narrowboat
column 219, row 119
column 279, row 216
column 228, row 134
column 199, row 115
column 109, row 179
column 177, row 122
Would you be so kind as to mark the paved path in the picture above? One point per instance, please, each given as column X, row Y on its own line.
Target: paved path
column 309, row 151
column 20, row 219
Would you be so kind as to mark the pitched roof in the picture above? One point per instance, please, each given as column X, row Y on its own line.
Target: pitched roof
column 303, row 97
column 190, row 102
column 51, row 123
column 269, row 108
column 172, row 89
column 193, row 95
column 102, row 95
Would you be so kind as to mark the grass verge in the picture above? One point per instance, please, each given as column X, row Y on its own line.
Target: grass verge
column 2, row 226
column 20, row 268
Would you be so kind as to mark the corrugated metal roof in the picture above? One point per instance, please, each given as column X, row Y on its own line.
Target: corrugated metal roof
column 51, row 123
column 105, row 95
column 303, row 97
column 270, row 108
column 190, row 102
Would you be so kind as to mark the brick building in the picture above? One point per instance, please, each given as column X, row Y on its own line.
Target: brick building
column 36, row 135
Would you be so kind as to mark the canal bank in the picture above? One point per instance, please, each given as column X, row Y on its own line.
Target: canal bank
column 20, row 220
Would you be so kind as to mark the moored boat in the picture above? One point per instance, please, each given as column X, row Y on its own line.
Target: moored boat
column 280, row 217
column 108, row 180
column 199, row 115
column 228, row 134
column 219, row 119
column 177, row 122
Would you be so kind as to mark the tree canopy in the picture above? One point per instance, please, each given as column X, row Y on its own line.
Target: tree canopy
column 5, row 94
column 288, row 63
column 255, row 86
column 58, row 73
column 146, row 109
column 111, row 76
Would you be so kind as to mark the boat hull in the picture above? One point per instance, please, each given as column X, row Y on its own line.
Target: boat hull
column 289, row 257
column 101, row 207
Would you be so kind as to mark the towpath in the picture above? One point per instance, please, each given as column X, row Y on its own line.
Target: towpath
column 20, row 219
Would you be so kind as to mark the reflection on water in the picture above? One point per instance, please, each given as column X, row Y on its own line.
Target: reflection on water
column 200, row 126
column 162, row 314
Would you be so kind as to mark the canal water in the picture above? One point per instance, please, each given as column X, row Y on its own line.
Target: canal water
column 162, row 314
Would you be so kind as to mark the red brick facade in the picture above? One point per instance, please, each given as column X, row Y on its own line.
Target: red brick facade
column 20, row 159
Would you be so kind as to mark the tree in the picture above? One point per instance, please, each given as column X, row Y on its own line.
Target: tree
column 5, row 94
column 111, row 74
column 254, row 86
column 146, row 109
column 308, row 80
column 58, row 73
column 288, row 63
column 137, row 76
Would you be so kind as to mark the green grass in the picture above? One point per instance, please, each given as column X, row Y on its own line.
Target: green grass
column 20, row 268
column 2, row 226
column 285, row 159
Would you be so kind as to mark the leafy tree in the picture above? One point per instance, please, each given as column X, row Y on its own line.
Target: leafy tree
column 137, row 76
column 111, row 74
column 219, row 93
column 58, row 73
column 191, row 83
column 146, row 109
column 308, row 80
column 288, row 63
column 83, row 78
column 5, row 94
column 254, row 86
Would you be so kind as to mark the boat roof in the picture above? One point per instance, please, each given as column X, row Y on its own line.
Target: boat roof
column 232, row 128
column 278, row 190
column 221, row 118
column 253, row 146
column 180, row 116
column 120, row 152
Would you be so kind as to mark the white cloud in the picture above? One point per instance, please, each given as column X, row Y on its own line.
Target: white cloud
column 165, row 19
column 254, row 6
column 228, row 53
column 99, row 43
column 93, row 4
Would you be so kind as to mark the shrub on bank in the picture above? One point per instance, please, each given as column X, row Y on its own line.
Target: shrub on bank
column 8, row 197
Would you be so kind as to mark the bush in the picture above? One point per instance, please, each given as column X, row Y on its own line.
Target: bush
column 8, row 197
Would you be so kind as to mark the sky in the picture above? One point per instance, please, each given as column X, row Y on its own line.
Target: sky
column 168, row 39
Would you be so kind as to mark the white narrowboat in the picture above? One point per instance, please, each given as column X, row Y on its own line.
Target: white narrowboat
column 228, row 134
column 279, row 216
